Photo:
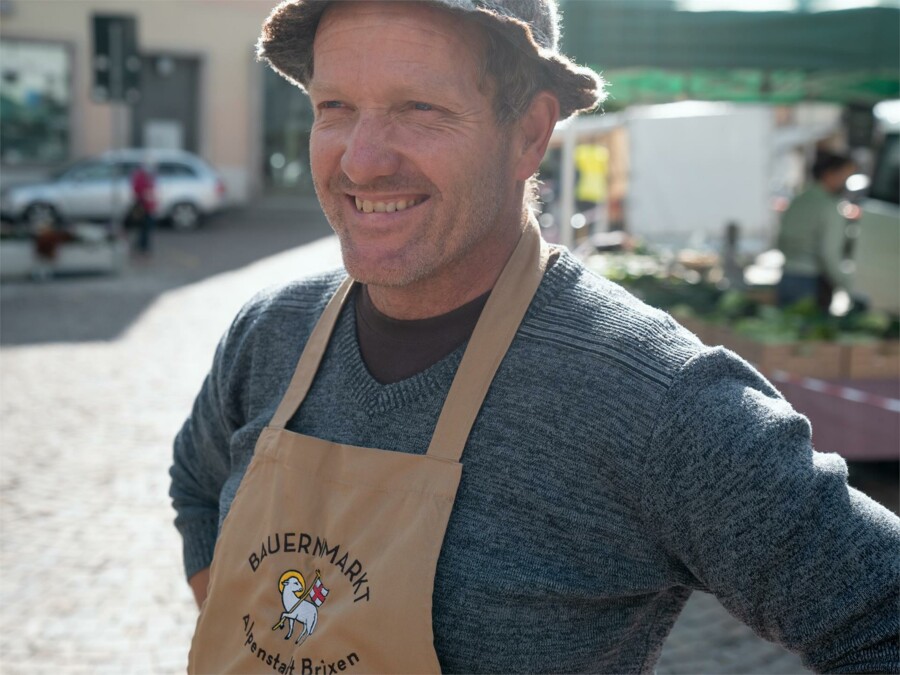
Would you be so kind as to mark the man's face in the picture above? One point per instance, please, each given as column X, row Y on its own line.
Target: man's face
column 835, row 180
column 411, row 168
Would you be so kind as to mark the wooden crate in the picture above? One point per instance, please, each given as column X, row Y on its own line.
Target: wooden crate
column 811, row 359
column 872, row 361
column 826, row 360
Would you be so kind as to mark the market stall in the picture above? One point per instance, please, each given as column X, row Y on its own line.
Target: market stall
column 689, row 188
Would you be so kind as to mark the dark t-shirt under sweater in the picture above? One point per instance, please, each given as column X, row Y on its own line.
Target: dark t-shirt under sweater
column 394, row 349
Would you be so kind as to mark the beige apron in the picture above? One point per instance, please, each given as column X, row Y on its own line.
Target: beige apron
column 326, row 560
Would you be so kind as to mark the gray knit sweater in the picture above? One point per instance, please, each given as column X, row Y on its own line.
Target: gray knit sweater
column 616, row 465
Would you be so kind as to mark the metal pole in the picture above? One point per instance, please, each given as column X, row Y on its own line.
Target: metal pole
column 117, row 215
column 116, row 91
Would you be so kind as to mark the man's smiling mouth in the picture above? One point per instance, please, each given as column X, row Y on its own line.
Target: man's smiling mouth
column 368, row 206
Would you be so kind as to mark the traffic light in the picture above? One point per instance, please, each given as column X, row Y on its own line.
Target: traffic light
column 116, row 61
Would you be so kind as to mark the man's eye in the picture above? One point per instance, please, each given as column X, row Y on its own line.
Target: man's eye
column 422, row 106
column 331, row 104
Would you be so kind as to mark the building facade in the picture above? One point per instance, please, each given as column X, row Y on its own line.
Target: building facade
column 202, row 90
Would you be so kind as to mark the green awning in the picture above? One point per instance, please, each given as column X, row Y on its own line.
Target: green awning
column 650, row 52
column 782, row 87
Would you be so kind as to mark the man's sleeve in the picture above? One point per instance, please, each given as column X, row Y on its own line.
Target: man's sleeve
column 734, row 490
column 199, row 469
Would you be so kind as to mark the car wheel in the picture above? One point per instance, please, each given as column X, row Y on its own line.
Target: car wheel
column 39, row 214
column 184, row 216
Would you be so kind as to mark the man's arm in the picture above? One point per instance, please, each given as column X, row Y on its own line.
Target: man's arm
column 831, row 251
column 735, row 492
column 199, row 584
column 200, row 466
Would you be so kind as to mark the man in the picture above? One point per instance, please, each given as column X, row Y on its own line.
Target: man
column 812, row 236
column 489, row 459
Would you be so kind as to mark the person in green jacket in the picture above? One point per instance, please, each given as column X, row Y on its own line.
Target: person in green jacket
column 812, row 236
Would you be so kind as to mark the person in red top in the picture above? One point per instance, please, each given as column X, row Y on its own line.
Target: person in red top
column 143, row 188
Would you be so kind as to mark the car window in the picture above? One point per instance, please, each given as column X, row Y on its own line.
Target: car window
column 89, row 171
column 175, row 170
column 63, row 173
column 127, row 168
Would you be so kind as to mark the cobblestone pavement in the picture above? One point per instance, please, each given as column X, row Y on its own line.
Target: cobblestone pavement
column 97, row 376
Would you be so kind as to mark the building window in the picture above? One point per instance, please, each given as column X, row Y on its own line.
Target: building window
column 35, row 96
column 288, row 118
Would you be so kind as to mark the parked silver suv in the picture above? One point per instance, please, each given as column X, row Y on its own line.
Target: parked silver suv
column 99, row 188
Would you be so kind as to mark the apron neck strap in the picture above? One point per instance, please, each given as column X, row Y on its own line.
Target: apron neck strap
column 312, row 355
column 493, row 334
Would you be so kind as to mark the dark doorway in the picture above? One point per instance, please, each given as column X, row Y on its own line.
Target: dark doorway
column 167, row 114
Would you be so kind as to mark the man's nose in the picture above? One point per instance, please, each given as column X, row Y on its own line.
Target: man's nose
column 369, row 153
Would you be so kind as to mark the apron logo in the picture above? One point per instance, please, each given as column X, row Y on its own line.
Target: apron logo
column 301, row 603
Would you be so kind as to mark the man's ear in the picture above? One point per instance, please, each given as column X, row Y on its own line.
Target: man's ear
column 534, row 130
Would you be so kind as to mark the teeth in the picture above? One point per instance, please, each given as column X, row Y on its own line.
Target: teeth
column 383, row 207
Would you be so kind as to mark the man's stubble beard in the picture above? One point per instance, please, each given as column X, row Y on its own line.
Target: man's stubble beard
column 478, row 204
column 405, row 269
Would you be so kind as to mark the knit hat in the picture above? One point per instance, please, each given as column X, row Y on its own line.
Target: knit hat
column 531, row 26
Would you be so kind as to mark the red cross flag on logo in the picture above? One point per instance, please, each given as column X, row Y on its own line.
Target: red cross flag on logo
column 318, row 592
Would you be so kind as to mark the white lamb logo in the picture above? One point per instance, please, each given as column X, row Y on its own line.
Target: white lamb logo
column 300, row 603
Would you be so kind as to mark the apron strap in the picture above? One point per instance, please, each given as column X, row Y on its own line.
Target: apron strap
column 312, row 355
column 493, row 334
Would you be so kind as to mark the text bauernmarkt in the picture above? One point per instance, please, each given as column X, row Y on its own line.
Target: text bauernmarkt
column 292, row 542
